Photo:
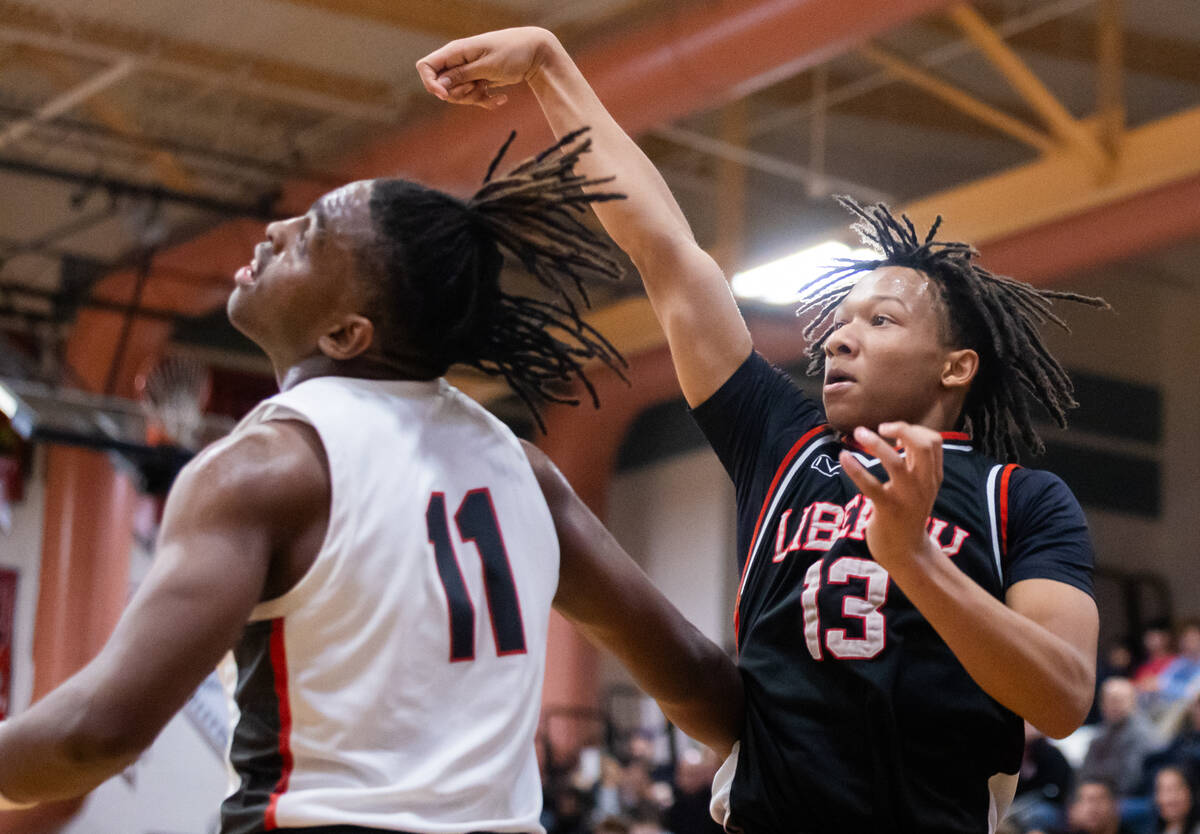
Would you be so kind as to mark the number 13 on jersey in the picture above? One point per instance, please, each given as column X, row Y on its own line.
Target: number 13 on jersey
column 862, row 608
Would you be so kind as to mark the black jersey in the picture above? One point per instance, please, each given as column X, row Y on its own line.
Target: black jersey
column 858, row 716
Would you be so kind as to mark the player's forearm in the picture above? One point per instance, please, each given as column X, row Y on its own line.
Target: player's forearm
column 649, row 216
column 1024, row 666
column 53, row 751
column 694, row 682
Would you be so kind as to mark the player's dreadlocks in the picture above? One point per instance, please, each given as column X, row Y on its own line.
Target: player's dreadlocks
column 442, row 259
column 995, row 316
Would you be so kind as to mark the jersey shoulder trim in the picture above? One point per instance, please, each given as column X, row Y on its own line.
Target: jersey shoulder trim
column 792, row 461
column 997, row 503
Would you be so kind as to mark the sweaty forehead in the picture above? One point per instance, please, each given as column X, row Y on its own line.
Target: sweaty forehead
column 346, row 210
column 910, row 287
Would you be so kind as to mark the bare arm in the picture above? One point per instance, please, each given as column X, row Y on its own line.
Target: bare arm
column 608, row 597
column 1035, row 652
column 689, row 293
column 221, row 524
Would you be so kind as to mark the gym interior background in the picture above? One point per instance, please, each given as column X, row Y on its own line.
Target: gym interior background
column 144, row 143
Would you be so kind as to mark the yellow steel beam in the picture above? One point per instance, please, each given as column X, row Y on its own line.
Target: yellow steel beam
column 731, row 190
column 958, row 98
column 445, row 18
column 1062, row 185
column 1062, row 124
column 1055, row 187
column 1110, row 74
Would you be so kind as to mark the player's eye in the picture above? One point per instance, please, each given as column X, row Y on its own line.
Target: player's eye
column 878, row 319
column 838, row 325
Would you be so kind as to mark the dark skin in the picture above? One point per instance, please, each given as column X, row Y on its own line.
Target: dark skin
column 891, row 377
column 246, row 519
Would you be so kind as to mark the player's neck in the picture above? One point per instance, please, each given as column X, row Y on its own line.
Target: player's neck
column 361, row 367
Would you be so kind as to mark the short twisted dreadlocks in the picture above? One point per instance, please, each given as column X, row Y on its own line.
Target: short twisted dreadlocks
column 441, row 258
column 995, row 316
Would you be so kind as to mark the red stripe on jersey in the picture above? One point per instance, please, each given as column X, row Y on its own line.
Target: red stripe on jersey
column 279, row 670
column 1008, row 470
column 787, row 460
column 955, row 435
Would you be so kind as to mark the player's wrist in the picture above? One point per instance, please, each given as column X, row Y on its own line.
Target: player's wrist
column 549, row 59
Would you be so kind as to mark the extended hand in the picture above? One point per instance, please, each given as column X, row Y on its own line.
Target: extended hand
column 466, row 71
column 897, row 529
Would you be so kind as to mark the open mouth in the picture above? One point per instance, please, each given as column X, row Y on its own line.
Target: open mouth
column 249, row 273
column 838, row 377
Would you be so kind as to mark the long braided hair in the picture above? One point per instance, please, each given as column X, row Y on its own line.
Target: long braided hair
column 441, row 257
column 997, row 317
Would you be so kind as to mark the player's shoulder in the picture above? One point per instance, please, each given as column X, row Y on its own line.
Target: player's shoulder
column 276, row 467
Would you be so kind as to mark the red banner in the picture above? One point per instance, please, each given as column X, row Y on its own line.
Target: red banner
column 8, row 612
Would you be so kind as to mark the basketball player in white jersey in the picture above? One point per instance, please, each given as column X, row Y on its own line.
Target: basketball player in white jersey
column 380, row 552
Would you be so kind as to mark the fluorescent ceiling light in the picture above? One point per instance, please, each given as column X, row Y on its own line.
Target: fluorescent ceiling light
column 790, row 279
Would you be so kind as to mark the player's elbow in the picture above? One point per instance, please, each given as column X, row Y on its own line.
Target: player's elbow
column 1066, row 709
column 103, row 739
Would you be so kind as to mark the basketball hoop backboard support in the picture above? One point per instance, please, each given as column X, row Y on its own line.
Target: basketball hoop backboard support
column 42, row 414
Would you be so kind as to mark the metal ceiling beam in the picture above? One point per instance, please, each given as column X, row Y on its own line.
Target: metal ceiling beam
column 765, row 163
column 1063, row 185
column 957, row 98
column 1010, row 28
column 701, row 58
column 69, row 100
column 261, row 210
column 1110, row 74
column 1066, row 127
column 104, row 109
column 1073, row 38
column 204, row 65
column 445, row 18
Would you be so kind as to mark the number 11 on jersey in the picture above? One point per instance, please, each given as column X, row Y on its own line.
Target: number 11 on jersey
column 476, row 522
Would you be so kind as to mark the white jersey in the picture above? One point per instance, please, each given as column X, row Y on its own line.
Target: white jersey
column 397, row 686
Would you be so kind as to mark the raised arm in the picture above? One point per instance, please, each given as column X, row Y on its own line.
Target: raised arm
column 608, row 597
column 705, row 331
column 212, row 563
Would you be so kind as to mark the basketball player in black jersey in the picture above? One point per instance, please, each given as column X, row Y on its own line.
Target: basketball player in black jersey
column 907, row 595
column 386, row 280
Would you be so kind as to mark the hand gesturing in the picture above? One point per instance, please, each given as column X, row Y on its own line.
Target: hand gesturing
column 897, row 530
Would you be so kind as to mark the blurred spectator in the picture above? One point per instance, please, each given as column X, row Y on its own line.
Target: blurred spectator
column 1119, row 661
column 1094, row 810
column 1116, row 753
column 613, row 825
column 1043, row 787
column 1183, row 745
column 1156, row 641
column 569, row 809
column 1175, row 801
column 693, row 790
column 607, row 794
column 1181, row 677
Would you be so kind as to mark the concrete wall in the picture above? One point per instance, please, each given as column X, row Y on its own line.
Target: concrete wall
column 676, row 518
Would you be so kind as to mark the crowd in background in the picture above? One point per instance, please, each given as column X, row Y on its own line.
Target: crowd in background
column 1133, row 770
column 632, row 787
column 1136, row 769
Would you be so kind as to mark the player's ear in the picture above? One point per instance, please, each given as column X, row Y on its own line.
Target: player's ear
column 351, row 337
column 959, row 368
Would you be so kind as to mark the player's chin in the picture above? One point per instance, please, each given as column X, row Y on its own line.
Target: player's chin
column 842, row 417
column 240, row 308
